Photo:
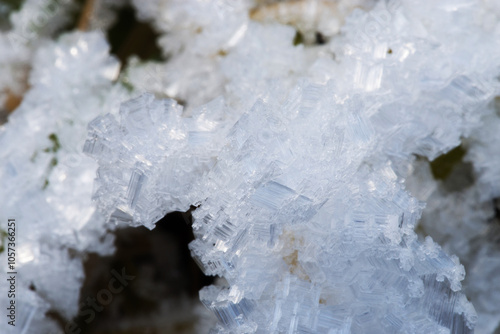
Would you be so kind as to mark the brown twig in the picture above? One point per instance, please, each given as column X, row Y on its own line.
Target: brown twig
column 88, row 9
column 12, row 102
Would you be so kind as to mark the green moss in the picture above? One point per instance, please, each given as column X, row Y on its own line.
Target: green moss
column 3, row 235
column 442, row 166
column 298, row 39
column 56, row 145
column 128, row 86
column 53, row 163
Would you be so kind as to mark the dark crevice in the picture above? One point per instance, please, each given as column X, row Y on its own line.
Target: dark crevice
column 162, row 267
column 320, row 38
column 442, row 166
column 496, row 205
column 130, row 37
column 493, row 234
column 460, row 178
column 451, row 169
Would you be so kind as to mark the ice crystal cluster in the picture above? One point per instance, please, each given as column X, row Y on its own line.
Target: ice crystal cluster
column 47, row 182
column 301, row 203
column 307, row 164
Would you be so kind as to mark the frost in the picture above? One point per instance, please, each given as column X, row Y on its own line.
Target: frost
column 332, row 180
column 301, row 204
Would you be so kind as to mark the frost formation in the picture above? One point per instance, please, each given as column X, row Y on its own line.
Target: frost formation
column 308, row 163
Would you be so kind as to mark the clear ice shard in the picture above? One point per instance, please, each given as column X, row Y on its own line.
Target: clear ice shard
column 180, row 151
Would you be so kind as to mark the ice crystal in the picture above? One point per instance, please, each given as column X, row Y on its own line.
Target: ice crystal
column 301, row 204
column 310, row 167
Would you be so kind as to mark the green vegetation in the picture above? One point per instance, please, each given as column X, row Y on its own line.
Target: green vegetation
column 56, row 145
column 3, row 235
column 298, row 39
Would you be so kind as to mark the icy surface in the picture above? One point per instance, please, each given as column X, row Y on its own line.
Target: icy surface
column 46, row 180
column 301, row 203
column 307, row 161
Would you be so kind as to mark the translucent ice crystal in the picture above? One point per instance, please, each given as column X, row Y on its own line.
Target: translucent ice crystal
column 180, row 151
column 301, row 204
column 47, row 182
column 306, row 164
